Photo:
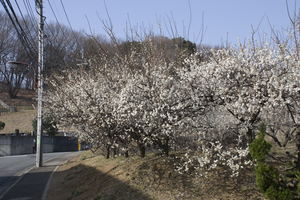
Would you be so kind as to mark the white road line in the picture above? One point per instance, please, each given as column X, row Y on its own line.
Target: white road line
column 48, row 183
column 51, row 176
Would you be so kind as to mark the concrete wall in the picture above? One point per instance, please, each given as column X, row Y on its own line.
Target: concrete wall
column 65, row 144
column 5, row 145
column 17, row 145
column 20, row 145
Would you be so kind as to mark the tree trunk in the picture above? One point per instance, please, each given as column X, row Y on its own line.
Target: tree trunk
column 114, row 152
column 126, row 154
column 107, row 151
column 249, row 136
column 142, row 149
column 166, row 147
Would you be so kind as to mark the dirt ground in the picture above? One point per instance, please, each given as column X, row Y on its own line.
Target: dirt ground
column 91, row 176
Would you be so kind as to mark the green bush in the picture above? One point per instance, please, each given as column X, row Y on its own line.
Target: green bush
column 49, row 125
column 2, row 125
column 298, row 177
column 259, row 147
column 267, row 177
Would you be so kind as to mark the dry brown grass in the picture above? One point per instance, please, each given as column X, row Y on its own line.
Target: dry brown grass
column 22, row 119
column 91, row 176
column 18, row 120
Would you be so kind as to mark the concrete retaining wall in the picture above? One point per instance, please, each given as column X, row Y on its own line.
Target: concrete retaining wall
column 5, row 145
column 17, row 145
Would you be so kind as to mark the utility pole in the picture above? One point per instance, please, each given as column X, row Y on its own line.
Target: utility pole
column 39, row 140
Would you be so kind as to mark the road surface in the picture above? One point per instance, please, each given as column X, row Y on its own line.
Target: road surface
column 12, row 167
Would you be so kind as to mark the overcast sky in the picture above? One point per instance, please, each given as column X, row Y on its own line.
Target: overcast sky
column 220, row 19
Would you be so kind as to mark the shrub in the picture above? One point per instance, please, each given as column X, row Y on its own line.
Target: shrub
column 49, row 125
column 2, row 125
column 267, row 177
column 259, row 147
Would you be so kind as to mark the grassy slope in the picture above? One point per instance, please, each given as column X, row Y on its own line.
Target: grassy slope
column 91, row 176
column 22, row 119
column 18, row 120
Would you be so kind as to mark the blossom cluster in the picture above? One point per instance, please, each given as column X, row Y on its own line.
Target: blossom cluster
column 146, row 98
column 211, row 155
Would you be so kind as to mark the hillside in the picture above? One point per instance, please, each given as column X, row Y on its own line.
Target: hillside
column 24, row 104
column 21, row 120
column 91, row 176
column 25, row 97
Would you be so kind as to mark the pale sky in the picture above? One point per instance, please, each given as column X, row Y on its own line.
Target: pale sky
column 221, row 19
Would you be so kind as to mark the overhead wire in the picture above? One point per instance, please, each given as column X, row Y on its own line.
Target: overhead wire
column 30, row 15
column 76, row 38
column 62, row 31
column 69, row 22
column 56, row 8
column 56, row 19
column 26, row 23
column 24, row 38
column 50, row 29
column 60, row 27
column 21, row 29
column 30, row 50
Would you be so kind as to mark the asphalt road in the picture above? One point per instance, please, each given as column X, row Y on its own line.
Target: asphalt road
column 12, row 167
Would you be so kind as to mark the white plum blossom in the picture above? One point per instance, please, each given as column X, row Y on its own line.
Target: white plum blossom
column 145, row 98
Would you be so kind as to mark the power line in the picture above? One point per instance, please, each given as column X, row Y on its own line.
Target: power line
column 23, row 34
column 62, row 31
column 69, row 21
column 56, row 19
column 30, row 15
column 20, row 32
column 25, row 22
